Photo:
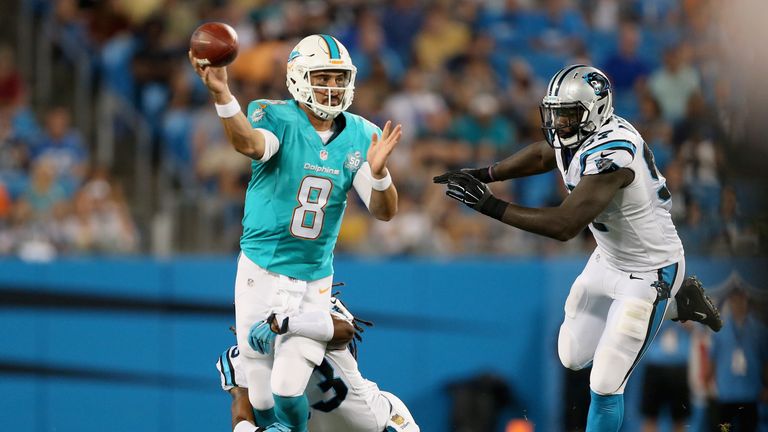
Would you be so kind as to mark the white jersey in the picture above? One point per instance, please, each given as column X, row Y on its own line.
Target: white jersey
column 635, row 232
column 339, row 397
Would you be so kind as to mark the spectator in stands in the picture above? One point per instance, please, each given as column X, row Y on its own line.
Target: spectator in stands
column 738, row 366
column 485, row 130
column 14, row 153
column 37, row 213
column 624, row 66
column 63, row 145
column 696, row 232
column 259, row 62
column 734, row 236
column 11, row 85
column 665, row 381
column 404, row 18
column 44, row 195
column 560, row 29
column 439, row 39
column 370, row 50
column 100, row 221
column 437, row 144
column 674, row 83
column 523, row 93
column 702, row 159
column 412, row 106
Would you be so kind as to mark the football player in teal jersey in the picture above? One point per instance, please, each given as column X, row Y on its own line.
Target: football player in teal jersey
column 307, row 153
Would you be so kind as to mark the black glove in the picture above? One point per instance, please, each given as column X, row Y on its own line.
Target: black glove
column 482, row 174
column 465, row 188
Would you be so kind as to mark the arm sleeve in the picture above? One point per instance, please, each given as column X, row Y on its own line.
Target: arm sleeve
column 363, row 177
column 271, row 144
column 262, row 117
column 316, row 325
column 362, row 183
column 608, row 157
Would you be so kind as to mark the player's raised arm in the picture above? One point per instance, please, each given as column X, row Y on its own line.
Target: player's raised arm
column 373, row 182
column 243, row 137
column 535, row 158
column 383, row 204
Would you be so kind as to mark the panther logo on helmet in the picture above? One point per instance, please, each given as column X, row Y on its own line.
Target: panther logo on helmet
column 598, row 82
column 316, row 53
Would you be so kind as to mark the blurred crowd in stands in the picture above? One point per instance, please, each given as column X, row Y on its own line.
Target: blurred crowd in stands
column 464, row 77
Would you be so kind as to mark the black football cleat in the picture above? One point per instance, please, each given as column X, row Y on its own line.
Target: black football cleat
column 695, row 305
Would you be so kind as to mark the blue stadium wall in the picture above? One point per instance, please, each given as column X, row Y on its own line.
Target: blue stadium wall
column 130, row 344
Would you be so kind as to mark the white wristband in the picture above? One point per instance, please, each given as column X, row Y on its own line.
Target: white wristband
column 244, row 426
column 381, row 184
column 229, row 109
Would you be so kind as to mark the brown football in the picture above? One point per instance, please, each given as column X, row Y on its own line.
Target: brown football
column 214, row 44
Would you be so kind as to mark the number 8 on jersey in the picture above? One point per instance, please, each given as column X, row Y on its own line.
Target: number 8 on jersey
column 307, row 220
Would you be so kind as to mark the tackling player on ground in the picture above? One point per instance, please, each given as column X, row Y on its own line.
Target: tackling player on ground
column 340, row 398
column 634, row 276
column 307, row 153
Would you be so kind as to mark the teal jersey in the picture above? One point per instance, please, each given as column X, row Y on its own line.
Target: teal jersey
column 295, row 201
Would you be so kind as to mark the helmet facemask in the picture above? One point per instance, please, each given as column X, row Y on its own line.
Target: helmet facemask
column 337, row 96
column 566, row 123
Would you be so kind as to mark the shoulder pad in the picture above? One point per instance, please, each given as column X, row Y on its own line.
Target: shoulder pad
column 607, row 157
column 263, row 111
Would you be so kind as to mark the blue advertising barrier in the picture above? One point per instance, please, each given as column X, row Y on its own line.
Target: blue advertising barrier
column 129, row 344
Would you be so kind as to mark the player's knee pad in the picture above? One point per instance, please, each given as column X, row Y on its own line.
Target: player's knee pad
column 568, row 350
column 400, row 419
column 609, row 371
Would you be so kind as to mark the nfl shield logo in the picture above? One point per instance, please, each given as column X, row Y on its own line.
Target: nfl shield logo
column 323, row 154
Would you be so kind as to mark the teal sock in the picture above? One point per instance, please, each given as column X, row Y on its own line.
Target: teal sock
column 292, row 412
column 264, row 418
column 606, row 413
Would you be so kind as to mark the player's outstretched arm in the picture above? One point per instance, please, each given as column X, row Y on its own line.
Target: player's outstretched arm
column 383, row 199
column 244, row 138
column 534, row 159
column 590, row 197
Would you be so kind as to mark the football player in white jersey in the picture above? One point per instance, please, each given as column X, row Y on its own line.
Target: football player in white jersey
column 339, row 397
column 634, row 276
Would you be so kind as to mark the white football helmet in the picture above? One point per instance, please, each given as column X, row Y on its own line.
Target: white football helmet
column 320, row 52
column 579, row 100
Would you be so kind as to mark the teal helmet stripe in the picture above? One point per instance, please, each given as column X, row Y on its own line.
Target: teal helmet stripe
column 333, row 47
